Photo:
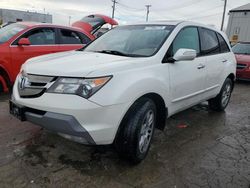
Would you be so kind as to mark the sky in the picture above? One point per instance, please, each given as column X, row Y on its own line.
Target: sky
column 128, row 11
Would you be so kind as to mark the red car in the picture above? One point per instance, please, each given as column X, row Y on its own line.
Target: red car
column 23, row 40
column 242, row 53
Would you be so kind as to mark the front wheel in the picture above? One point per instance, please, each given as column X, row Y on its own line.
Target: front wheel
column 134, row 138
column 220, row 102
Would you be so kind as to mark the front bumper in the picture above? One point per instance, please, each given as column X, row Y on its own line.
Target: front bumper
column 65, row 125
column 73, row 117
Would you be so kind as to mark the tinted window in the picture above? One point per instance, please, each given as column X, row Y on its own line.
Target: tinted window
column 187, row 38
column 9, row 31
column 223, row 45
column 242, row 48
column 69, row 37
column 209, row 42
column 41, row 36
column 84, row 38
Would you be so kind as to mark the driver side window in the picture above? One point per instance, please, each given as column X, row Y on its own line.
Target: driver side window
column 187, row 38
column 40, row 36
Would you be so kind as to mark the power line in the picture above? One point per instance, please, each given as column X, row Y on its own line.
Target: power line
column 128, row 7
column 179, row 6
column 147, row 6
column 205, row 16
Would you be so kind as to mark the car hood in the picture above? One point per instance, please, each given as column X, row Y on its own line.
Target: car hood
column 73, row 63
column 241, row 58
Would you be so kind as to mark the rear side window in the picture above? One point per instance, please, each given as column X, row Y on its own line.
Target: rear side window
column 186, row 38
column 85, row 39
column 209, row 42
column 223, row 45
column 69, row 37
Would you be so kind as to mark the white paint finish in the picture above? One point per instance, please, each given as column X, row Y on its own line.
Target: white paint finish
column 181, row 84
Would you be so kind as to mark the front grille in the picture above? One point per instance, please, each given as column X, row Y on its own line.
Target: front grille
column 241, row 66
column 31, row 86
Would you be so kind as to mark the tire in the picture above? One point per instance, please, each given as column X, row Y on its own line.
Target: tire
column 220, row 102
column 136, row 131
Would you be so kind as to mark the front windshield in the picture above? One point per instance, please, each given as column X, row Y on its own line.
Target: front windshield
column 133, row 41
column 9, row 31
column 242, row 48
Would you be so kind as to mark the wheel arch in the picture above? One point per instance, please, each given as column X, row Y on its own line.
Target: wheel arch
column 232, row 77
column 4, row 74
column 162, row 111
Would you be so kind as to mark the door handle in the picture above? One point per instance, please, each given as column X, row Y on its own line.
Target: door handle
column 201, row 66
column 224, row 61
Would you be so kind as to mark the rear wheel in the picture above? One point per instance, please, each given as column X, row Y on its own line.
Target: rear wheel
column 220, row 102
column 134, row 138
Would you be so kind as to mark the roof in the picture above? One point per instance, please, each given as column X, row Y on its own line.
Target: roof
column 244, row 8
column 31, row 24
column 160, row 22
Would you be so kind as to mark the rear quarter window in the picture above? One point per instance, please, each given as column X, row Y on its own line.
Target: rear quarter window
column 72, row 37
column 223, row 44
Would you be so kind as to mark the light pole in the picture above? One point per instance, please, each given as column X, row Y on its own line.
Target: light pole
column 147, row 6
column 69, row 20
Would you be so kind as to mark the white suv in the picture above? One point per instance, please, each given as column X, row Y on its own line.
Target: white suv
column 123, row 85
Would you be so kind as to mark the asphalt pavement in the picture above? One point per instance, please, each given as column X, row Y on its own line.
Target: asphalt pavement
column 198, row 148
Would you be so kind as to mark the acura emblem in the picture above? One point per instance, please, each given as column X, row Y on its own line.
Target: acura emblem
column 23, row 82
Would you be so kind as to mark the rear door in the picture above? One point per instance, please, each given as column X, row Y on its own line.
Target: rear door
column 215, row 60
column 71, row 40
column 43, row 41
column 187, row 78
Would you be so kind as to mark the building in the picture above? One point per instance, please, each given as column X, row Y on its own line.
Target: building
column 238, row 28
column 7, row 15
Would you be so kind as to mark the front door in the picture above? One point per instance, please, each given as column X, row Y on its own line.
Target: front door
column 187, row 78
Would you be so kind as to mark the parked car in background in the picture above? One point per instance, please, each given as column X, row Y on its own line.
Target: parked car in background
column 123, row 85
column 93, row 23
column 5, row 24
column 23, row 40
column 242, row 53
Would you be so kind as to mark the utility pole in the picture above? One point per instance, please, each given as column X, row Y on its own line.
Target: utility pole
column 147, row 6
column 113, row 8
column 223, row 16
column 69, row 20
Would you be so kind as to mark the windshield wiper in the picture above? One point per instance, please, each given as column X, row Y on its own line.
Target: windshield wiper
column 114, row 52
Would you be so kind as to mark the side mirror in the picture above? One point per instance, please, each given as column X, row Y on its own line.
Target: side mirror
column 184, row 54
column 24, row 42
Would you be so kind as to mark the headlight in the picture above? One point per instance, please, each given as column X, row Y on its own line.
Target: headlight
column 78, row 86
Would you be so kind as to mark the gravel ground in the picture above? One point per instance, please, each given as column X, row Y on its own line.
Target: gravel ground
column 211, row 150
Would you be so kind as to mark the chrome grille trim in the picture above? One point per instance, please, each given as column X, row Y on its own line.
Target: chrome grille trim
column 39, row 79
column 31, row 86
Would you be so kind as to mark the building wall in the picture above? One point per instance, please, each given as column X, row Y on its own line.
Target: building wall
column 239, row 26
column 15, row 15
